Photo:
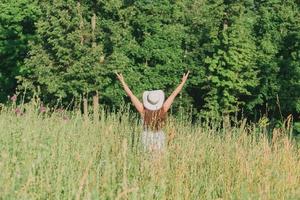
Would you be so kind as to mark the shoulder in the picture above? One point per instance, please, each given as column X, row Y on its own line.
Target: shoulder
column 163, row 110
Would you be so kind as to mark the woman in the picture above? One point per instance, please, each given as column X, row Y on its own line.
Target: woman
column 153, row 111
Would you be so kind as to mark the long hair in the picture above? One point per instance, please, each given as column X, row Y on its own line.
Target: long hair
column 154, row 120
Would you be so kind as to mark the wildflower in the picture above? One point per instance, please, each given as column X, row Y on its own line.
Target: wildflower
column 13, row 98
column 43, row 109
column 18, row 112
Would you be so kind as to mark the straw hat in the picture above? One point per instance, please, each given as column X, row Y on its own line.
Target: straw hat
column 153, row 100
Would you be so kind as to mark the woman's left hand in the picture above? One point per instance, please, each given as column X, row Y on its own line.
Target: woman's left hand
column 120, row 77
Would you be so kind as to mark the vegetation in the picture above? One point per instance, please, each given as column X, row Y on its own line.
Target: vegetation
column 244, row 55
column 17, row 27
column 60, row 155
column 244, row 58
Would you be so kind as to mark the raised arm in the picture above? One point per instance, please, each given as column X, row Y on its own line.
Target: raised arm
column 135, row 101
column 171, row 98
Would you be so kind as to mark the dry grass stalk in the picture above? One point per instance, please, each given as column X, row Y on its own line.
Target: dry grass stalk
column 171, row 135
column 96, row 107
column 84, row 179
column 85, row 109
column 125, row 185
column 125, row 192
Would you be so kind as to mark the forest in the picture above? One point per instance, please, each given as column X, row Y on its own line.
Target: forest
column 244, row 55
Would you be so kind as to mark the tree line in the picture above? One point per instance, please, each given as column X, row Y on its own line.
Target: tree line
column 244, row 55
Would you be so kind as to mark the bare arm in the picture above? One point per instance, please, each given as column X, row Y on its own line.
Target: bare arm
column 135, row 101
column 171, row 98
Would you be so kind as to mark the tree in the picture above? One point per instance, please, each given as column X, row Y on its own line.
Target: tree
column 289, row 61
column 228, row 51
column 66, row 60
column 142, row 40
column 17, row 27
column 276, row 32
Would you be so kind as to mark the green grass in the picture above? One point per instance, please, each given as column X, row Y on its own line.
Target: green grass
column 43, row 156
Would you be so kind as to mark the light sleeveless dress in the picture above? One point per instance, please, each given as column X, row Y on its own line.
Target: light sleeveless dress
column 153, row 140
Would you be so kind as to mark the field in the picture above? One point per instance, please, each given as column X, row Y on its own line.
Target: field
column 59, row 155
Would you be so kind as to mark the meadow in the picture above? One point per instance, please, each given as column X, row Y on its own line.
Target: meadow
column 62, row 155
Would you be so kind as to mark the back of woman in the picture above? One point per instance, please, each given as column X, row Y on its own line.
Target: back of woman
column 153, row 137
column 154, row 113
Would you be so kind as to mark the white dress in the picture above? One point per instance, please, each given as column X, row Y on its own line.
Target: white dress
column 153, row 140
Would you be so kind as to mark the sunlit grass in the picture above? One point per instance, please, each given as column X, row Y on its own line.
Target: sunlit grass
column 61, row 156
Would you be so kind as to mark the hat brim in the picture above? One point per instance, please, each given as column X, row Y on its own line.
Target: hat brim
column 158, row 105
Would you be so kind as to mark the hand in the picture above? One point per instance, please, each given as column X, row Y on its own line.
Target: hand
column 120, row 77
column 184, row 77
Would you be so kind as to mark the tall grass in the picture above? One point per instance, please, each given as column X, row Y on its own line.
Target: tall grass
column 62, row 156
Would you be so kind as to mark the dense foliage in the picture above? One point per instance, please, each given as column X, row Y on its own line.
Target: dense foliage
column 244, row 55
column 17, row 20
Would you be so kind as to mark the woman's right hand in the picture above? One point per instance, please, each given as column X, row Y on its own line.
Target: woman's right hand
column 184, row 77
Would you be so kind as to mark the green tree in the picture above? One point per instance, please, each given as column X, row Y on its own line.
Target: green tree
column 228, row 53
column 17, row 27
column 289, row 60
column 276, row 32
column 242, row 54
column 66, row 60
column 140, row 39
